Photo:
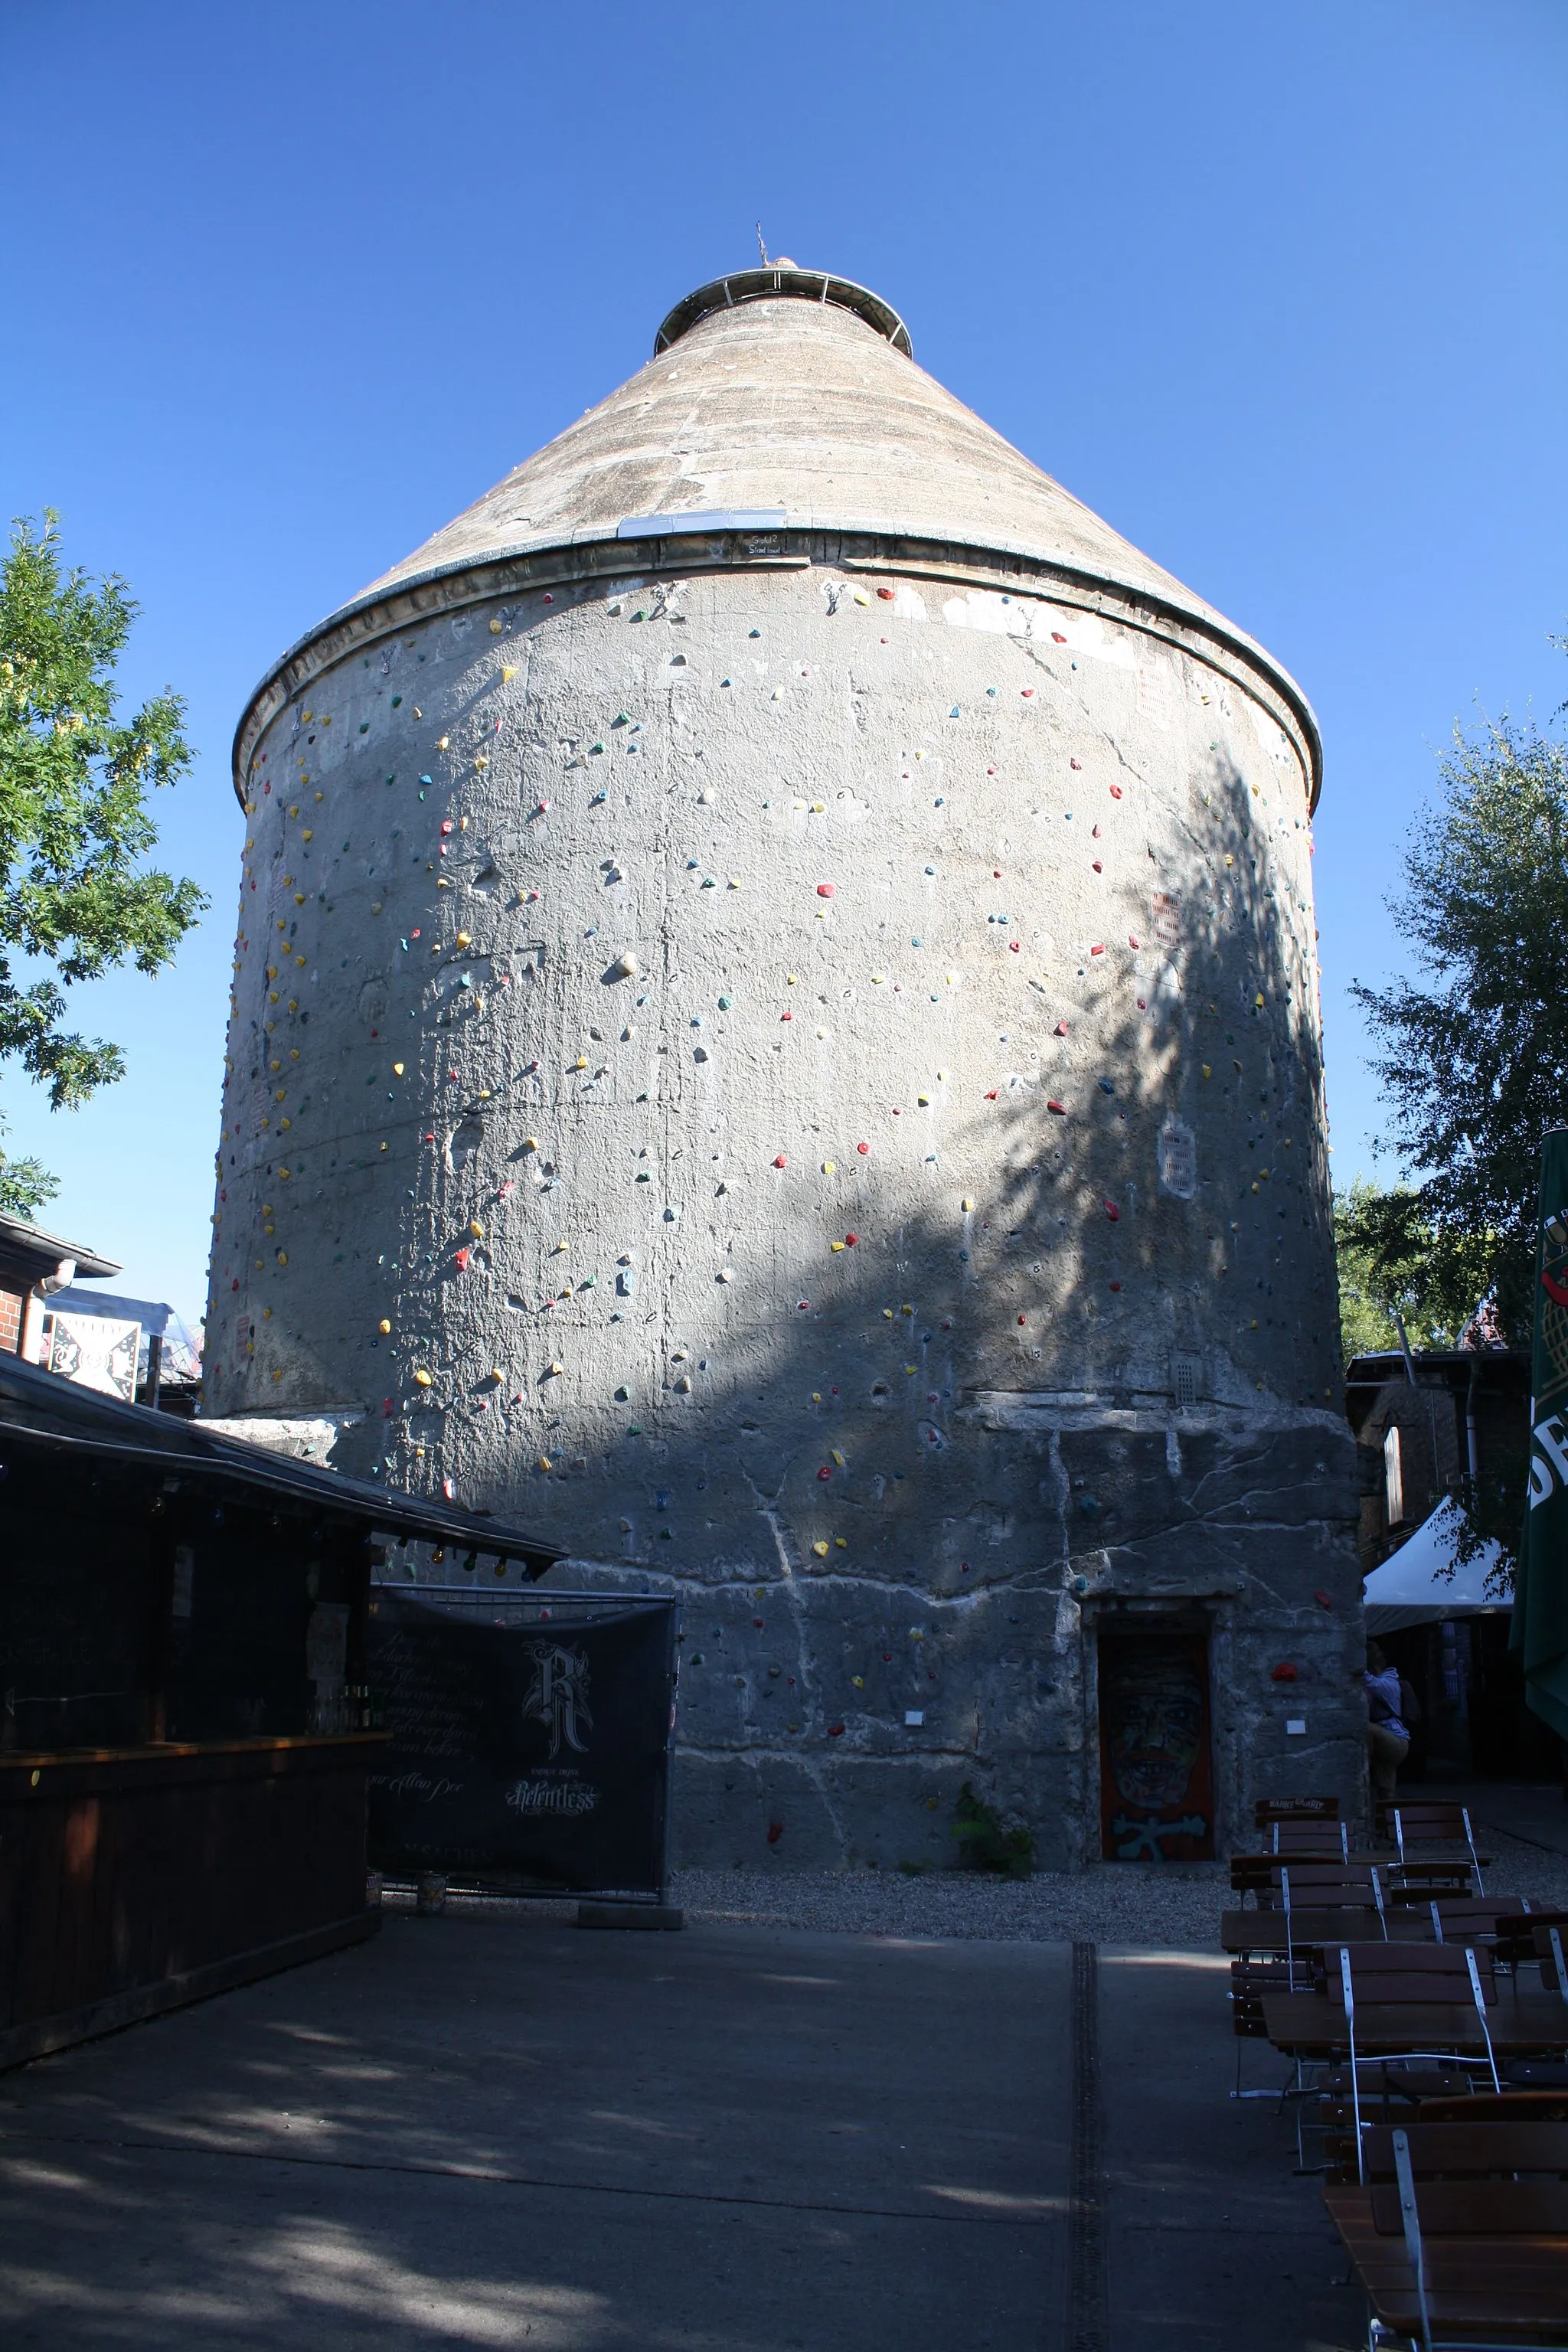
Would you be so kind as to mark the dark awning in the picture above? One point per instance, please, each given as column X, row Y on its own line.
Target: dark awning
column 37, row 1409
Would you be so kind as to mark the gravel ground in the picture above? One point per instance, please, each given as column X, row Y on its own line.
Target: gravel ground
column 1158, row 1909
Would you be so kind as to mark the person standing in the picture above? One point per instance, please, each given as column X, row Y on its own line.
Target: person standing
column 1387, row 1734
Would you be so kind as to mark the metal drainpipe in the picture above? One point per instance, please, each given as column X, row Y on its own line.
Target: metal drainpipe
column 1472, row 1453
column 1405, row 1347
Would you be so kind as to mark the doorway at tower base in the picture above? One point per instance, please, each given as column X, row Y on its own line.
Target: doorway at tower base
column 1156, row 1765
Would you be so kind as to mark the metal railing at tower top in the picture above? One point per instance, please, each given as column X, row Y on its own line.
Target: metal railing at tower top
column 761, row 285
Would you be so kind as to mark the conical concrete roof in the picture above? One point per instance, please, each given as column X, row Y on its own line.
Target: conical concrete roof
column 786, row 400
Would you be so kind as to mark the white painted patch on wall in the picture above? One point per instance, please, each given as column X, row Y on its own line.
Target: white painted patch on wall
column 1177, row 1158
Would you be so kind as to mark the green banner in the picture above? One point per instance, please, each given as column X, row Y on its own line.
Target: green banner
column 1540, row 1628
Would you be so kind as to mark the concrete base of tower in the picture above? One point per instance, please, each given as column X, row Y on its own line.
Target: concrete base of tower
column 1125, row 1698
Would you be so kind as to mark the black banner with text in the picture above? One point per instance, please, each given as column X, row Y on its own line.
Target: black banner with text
column 532, row 1750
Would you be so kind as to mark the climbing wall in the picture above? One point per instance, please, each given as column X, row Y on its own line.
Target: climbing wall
column 803, row 1083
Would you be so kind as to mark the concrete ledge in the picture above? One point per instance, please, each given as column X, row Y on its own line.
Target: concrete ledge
column 40, row 2035
column 630, row 1915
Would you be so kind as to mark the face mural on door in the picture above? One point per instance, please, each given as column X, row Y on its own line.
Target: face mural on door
column 1156, row 1785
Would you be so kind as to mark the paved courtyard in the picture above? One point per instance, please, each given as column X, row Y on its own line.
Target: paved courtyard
column 497, row 2130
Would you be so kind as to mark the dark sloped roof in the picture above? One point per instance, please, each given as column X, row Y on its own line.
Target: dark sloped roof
column 28, row 1252
column 39, row 1407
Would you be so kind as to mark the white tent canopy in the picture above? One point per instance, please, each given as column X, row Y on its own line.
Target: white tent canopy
column 1423, row 1580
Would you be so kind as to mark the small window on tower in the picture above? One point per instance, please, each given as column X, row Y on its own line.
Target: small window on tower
column 1392, row 1477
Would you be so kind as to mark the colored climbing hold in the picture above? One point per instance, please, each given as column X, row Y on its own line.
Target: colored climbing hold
column 825, row 889
column 1058, row 1108
column 781, row 1160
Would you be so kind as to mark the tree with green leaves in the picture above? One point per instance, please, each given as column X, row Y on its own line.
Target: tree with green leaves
column 77, row 896
column 1474, row 1051
column 1401, row 1281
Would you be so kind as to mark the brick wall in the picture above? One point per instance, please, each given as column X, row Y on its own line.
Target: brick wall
column 10, row 1322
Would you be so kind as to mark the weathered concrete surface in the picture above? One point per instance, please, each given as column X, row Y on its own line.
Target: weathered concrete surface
column 798, row 1072
column 1212, row 2242
column 786, row 404
column 498, row 2133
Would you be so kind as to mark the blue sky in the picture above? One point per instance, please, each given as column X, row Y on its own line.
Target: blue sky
column 1277, row 289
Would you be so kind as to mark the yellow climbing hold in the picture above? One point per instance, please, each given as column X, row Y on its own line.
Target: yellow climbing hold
column 422, row 1378
column 495, row 628
column 509, row 671
column 463, row 939
column 477, row 1230
column 397, row 1069
column 820, row 1550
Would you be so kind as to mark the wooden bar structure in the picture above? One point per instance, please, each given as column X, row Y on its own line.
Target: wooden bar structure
column 185, row 1722
column 136, row 1879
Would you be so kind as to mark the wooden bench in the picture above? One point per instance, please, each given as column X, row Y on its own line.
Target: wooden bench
column 1459, row 2232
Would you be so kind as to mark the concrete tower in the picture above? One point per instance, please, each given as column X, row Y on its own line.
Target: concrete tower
column 775, row 1037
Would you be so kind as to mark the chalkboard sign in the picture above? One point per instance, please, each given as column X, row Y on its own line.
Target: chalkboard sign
column 530, row 1752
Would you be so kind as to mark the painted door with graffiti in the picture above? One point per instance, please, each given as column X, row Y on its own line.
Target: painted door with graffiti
column 1156, row 1773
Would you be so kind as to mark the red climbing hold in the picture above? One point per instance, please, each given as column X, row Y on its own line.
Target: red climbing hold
column 1131, row 940
column 1112, row 1212
column 1283, row 1672
column 1015, row 946
column 462, row 1261
column 1075, row 763
column 781, row 1160
column 850, row 1239
column 775, row 1831
column 1098, row 866
column 825, row 1472
column 1022, row 1319
column 1058, row 638
column 887, row 594
column 1060, row 1030
column 447, row 1488
column 1026, row 691
column 1100, row 951
column 1116, row 792
column 862, row 1148
column 1323, row 1599
column 1057, row 1107
column 825, row 889
column 992, row 1095
column 835, row 1731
